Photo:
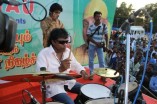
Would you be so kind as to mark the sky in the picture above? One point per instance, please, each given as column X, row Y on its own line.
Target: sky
column 137, row 4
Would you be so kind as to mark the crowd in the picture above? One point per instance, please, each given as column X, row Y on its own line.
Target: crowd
column 116, row 59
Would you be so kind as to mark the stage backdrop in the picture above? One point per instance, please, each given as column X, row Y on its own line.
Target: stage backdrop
column 29, row 34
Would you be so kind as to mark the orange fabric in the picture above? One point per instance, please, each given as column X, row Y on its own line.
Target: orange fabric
column 149, row 100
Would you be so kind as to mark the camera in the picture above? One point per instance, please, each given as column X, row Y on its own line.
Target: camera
column 102, row 44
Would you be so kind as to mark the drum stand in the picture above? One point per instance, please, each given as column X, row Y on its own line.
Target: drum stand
column 103, row 80
column 43, row 88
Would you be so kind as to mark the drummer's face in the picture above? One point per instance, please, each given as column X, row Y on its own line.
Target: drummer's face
column 60, row 44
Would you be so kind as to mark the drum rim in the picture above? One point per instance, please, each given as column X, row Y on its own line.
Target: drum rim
column 54, row 102
column 129, row 82
column 95, row 83
column 98, row 99
column 81, row 92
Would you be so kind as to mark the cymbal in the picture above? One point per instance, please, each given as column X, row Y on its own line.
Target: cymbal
column 106, row 72
column 30, row 77
column 40, row 76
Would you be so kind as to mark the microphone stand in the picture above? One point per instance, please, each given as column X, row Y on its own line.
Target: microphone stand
column 126, row 26
column 43, row 87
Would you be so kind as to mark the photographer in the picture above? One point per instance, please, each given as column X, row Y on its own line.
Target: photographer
column 97, row 34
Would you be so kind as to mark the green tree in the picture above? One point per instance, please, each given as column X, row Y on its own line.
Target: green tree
column 152, row 11
column 121, row 14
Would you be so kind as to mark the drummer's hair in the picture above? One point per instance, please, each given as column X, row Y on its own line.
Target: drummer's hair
column 57, row 33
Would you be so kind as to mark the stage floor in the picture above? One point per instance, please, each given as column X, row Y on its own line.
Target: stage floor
column 11, row 92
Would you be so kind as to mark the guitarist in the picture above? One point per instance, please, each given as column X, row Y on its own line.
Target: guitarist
column 97, row 34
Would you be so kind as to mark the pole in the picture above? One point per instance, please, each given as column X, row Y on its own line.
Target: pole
column 43, row 87
column 127, row 67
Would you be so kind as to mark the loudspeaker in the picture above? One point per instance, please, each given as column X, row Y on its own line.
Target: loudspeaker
column 8, row 27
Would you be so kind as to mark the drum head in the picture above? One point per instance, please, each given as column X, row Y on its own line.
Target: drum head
column 131, row 87
column 95, row 91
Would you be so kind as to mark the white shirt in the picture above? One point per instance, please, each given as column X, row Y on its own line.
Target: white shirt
column 153, row 52
column 47, row 58
column 133, row 45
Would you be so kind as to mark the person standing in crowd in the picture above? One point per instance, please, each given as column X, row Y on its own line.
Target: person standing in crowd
column 57, row 58
column 96, row 33
column 144, row 47
column 154, row 51
column 51, row 22
column 153, row 83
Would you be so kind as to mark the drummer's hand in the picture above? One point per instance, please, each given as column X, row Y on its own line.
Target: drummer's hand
column 84, row 74
column 65, row 64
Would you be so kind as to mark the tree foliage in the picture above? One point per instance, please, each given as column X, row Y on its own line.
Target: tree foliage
column 123, row 12
column 152, row 10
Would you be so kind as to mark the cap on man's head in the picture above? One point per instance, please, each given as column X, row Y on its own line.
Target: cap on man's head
column 55, row 6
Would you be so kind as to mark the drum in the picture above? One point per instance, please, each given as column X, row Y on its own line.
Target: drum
column 104, row 101
column 94, row 91
column 101, row 101
column 53, row 103
column 132, row 88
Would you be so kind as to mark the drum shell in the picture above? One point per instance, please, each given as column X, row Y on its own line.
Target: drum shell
column 131, row 93
column 84, row 98
column 101, row 101
column 54, row 103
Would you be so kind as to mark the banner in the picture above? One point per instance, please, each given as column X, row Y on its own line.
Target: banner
column 22, row 59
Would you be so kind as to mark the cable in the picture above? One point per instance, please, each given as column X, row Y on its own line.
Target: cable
column 24, row 100
column 38, row 4
column 145, row 88
column 27, row 80
column 145, row 65
column 33, row 100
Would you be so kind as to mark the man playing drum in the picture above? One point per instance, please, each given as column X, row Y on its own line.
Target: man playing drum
column 57, row 58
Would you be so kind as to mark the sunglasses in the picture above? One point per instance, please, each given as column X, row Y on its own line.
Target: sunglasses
column 63, row 41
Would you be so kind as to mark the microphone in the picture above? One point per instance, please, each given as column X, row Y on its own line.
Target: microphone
column 133, row 16
column 115, row 72
column 33, row 100
column 43, row 69
column 12, row 2
column 126, row 24
column 146, row 13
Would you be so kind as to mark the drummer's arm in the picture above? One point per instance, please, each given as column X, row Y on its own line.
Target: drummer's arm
column 65, row 64
column 76, row 66
column 40, row 62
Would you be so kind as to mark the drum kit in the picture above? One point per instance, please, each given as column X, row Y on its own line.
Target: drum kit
column 90, row 93
column 43, row 77
column 100, row 94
